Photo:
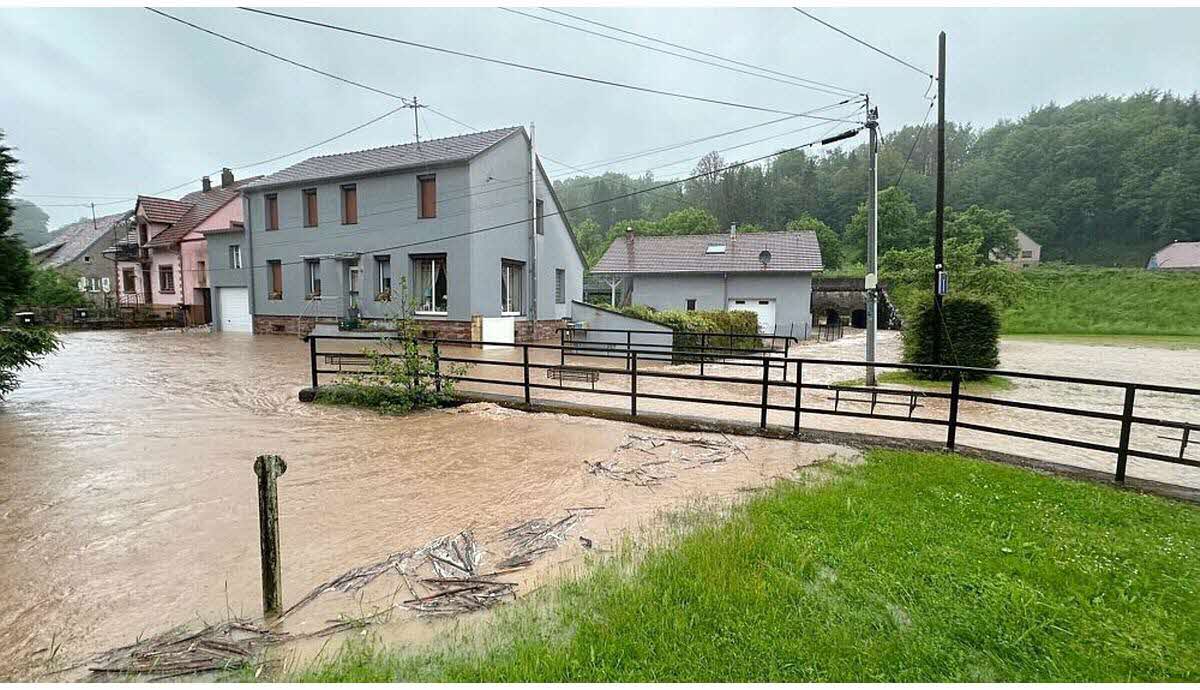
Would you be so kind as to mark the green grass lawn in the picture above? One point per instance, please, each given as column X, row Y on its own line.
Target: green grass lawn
column 1169, row 342
column 910, row 567
column 904, row 377
column 1107, row 301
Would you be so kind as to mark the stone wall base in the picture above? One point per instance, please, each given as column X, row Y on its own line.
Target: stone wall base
column 525, row 331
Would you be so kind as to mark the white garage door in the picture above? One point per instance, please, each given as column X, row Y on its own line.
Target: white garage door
column 765, row 308
column 234, row 307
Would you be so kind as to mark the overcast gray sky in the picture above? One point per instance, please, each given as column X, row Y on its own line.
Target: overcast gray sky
column 117, row 102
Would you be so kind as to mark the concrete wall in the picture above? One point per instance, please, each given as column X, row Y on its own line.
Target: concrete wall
column 491, row 191
column 792, row 293
column 220, row 272
column 595, row 317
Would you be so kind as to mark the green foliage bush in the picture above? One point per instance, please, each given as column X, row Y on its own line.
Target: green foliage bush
column 970, row 337
column 704, row 321
column 50, row 288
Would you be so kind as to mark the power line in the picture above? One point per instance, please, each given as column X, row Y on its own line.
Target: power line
column 916, row 140
column 268, row 53
column 826, row 140
column 530, row 68
column 476, row 190
column 862, row 42
column 701, row 52
column 668, row 52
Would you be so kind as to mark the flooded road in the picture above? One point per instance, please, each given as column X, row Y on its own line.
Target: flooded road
column 127, row 499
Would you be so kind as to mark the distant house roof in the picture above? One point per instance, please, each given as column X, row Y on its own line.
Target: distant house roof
column 159, row 210
column 71, row 241
column 1178, row 255
column 387, row 159
column 200, row 205
column 789, row 251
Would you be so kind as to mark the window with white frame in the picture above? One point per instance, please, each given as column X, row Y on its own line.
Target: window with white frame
column 431, row 284
column 166, row 279
column 560, row 286
column 512, row 281
column 312, row 273
column 235, row 256
column 383, row 278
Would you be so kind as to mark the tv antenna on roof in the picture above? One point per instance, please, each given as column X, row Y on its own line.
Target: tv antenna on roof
column 764, row 258
column 416, row 106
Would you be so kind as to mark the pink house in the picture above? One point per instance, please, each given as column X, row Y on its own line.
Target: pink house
column 164, row 260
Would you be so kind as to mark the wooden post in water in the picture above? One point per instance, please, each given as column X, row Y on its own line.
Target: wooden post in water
column 269, row 468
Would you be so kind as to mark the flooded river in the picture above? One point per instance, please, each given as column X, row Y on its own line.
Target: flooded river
column 127, row 499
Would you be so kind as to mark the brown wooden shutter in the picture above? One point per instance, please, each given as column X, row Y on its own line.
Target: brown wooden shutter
column 277, row 277
column 310, row 208
column 272, row 212
column 428, row 196
column 349, row 204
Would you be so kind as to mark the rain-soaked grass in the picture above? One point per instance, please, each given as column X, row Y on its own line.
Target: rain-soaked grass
column 909, row 567
column 989, row 384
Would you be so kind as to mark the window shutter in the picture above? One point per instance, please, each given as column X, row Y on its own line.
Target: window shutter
column 428, row 197
column 349, row 205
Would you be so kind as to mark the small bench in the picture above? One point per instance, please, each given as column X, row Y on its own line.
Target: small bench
column 348, row 360
column 907, row 398
column 561, row 374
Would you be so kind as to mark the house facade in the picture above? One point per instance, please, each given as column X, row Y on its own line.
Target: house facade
column 1029, row 253
column 768, row 273
column 1177, row 256
column 78, row 249
column 453, row 227
column 162, row 261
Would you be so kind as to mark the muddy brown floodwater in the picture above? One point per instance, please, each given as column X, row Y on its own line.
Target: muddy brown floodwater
column 128, row 505
column 127, row 497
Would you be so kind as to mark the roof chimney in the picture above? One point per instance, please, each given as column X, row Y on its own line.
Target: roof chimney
column 205, row 184
column 732, row 230
column 226, row 177
column 629, row 245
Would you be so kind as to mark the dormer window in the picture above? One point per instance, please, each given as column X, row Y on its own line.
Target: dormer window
column 715, row 249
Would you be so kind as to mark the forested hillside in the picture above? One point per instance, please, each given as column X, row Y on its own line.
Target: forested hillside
column 1101, row 181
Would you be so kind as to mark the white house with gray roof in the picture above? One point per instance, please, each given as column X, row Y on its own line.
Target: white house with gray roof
column 768, row 273
column 78, row 250
column 458, row 221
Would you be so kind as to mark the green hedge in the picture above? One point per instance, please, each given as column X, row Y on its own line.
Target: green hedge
column 710, row 321
column 970, row 337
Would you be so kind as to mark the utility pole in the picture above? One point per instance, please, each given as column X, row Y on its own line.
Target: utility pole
column 416, row 123
column 872, row 280
column 939, row 267
column 533, row 230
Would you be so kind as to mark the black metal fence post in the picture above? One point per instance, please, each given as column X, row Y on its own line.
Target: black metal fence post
column 1126, row 427
column 703, row 351
column 799, row 395
column 952, row 422
column 312, row 358
column 766, row 387
column 562, row 345
column 437, row 367
column 787, row 348
column 633, row 384
column 525, row 368
column 628, row 347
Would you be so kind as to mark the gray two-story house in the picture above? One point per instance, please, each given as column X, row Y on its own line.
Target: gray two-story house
column 768, row 273
column 455, row 227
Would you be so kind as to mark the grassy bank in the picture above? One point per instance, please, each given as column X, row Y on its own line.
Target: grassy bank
column 911, row 567
column 991, row 384
column 1107, row 301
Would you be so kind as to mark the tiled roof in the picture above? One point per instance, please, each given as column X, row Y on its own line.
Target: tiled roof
column 1177, row 255
column 201, row 205
column 158, row 210
column 72, row 240
column 387, row 158
column 789, row 251
column 234, row 226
